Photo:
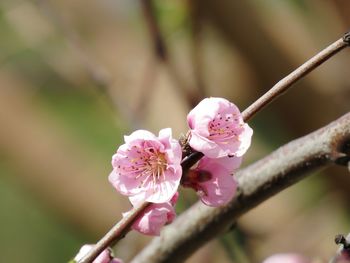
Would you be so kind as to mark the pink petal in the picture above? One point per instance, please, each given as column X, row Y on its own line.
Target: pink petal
column 217, row 129
column 174, row 199
column 139, row 134
column 245, row 139
column 104, row 257
column 154, row 218
column 286, row 258
column 220, row 189
column 126, row 186
column 166, row 189
column 204, row 145
column 201, row 111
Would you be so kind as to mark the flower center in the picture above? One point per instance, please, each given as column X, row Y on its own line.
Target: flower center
column 223, row 127
column 157, row 164
column 145, row 164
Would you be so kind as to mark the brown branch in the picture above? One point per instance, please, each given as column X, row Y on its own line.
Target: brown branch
column 188, row 161
column 119, row 230
column 159, row 47
column 257, row 182
column 280, row 87
column 116, row 233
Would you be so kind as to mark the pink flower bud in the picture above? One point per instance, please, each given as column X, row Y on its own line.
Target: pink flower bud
column 104, row 257
column 213, row 180
column 154, row 217
column 148, row 167
column 217, row 129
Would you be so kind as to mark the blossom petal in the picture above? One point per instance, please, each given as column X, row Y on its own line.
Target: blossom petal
column 245, row 139
column 126, row 186
column 154, row 217
column 220, row 189
column 218, row 129
column 204, row 145
column 165, row 189
column 139, row 134
column 104, row 257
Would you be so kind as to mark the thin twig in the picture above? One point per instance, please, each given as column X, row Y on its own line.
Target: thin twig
column 116, row 233
column 119, row 230
column 280, row 87
column 188, row 161
column 258, row 182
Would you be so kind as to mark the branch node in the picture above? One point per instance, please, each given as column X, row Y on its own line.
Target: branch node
column 346, row 38
column 340, row 239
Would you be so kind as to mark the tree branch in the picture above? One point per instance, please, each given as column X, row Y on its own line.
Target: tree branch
column 190, row 160
column 258, row 182
column 282, row 86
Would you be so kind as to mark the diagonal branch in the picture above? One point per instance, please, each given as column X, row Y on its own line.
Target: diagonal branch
column 258, row 182
column 113, row 234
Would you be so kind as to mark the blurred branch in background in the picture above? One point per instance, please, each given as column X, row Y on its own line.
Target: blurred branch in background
column 161, row 52
column 97, row 73
column 46, row 160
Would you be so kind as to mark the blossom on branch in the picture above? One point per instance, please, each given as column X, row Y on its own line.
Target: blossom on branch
column 213, row 181
column 104, row 257
column 154, row 217
column 148, row 167
column 218, row 129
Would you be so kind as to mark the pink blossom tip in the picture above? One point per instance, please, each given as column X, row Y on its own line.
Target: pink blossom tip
column 213, row 181
column 104, row 257
column 155, row 216
column 218, row 129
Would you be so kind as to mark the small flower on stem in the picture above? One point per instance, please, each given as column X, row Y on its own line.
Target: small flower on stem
column 154, row 217
column 148, row 167
column 104, row 257
column 218, row 129
column 212, row 180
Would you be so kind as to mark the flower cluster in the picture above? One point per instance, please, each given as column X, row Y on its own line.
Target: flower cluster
column 147, row 168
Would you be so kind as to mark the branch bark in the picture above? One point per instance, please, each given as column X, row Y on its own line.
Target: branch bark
column 258, row 182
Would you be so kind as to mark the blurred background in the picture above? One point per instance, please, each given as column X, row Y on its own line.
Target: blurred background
column 75, row 76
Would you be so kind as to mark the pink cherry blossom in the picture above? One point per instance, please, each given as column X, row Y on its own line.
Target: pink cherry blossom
column 147, row 166
column 104, row 257
column 286, row 258
column 154, row 217
column 217, row 129
column 212, row 180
